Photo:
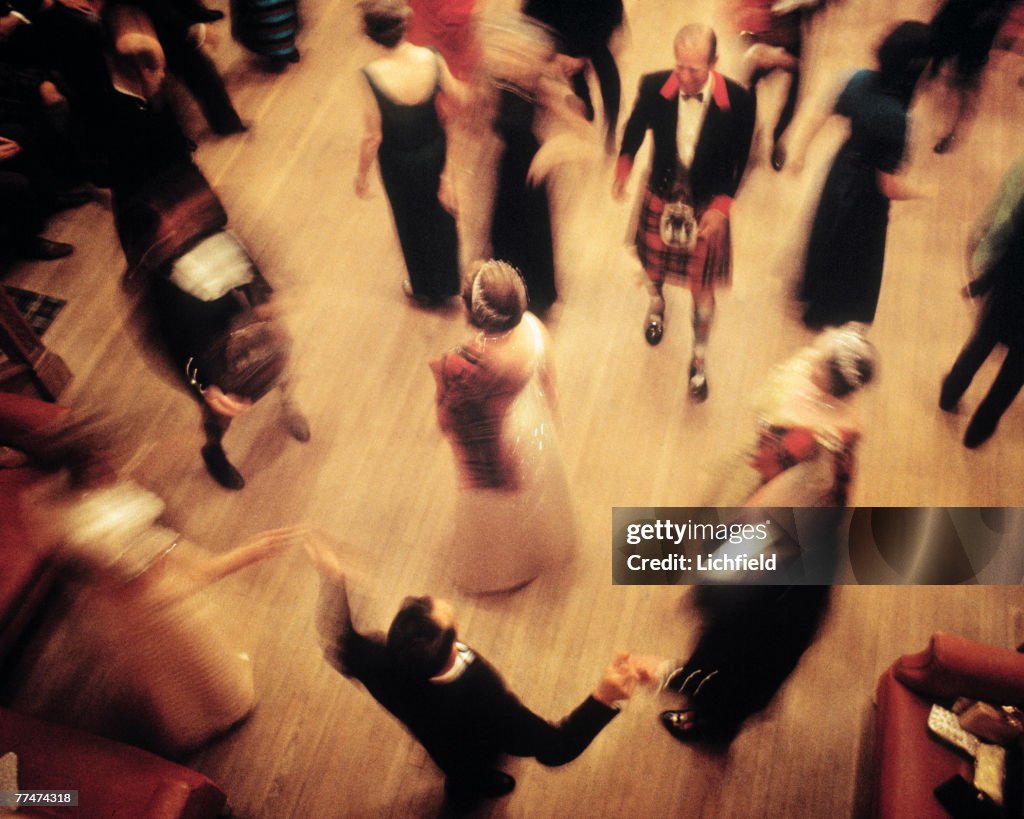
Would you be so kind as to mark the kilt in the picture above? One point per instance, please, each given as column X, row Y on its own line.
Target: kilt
column 674, row 265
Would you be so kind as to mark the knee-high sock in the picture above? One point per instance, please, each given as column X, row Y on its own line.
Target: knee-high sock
column 703, row 316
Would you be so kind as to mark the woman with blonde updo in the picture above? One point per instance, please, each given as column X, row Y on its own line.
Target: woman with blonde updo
column 808, row 427
column 496, row 403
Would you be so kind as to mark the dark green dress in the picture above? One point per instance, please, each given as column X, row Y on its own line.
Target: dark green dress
column 846, row 252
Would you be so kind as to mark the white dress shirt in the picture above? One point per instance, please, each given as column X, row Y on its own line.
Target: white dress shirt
column 691, row 120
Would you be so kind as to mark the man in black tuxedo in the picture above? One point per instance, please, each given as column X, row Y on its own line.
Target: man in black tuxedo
column 702, row 124
column 449, row 697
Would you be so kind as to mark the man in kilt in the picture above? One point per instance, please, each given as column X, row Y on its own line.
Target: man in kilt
column 702, row 124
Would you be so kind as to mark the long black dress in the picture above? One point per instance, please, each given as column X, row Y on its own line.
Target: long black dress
column 521, row 224
column 412, row 156
column 846, row 252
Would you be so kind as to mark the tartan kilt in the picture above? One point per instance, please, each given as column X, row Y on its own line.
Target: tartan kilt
column 671, row 264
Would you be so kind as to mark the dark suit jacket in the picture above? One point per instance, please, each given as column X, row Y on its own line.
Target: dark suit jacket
column 722, row 147
column 466, row 724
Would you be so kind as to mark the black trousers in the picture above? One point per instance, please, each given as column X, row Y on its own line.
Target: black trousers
column 1007, row 383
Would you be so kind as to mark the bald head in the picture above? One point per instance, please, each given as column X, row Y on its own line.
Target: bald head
column 698, row 35
column 695, row 50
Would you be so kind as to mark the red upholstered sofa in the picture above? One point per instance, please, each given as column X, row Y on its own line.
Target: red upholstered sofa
column 909, row 762
column 112, row 779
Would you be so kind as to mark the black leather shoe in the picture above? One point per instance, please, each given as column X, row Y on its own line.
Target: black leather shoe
column 654, row 329
column 947, row 401
column 220, row 468
column 683, row 725
column 227, row 127
column 496, row 783
column 45, row 250
column 979, row 430
column 778, row 157
column 296, row 424
column 654, row 324
column 209, row 16
column 698, row 381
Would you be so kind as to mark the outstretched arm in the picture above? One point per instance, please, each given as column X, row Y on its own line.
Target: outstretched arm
column 265, row 545
column 349, row 652
column 556, row 744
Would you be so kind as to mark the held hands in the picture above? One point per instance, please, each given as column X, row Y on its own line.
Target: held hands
column 324, row 553
column 226, row 404
column 618, row 681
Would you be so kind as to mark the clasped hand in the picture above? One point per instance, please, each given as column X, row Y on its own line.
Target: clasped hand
column 622, row 676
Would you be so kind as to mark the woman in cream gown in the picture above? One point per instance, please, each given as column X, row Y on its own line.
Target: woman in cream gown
column 496, row 403
column 141, row 653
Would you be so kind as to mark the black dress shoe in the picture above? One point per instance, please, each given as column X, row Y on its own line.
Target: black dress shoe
column 44, row 250
column 654, row 323
column 683, row 725
column 296, row 424
column 464, row 796
column 698, row 381
column 979, row 430
column 947, row 401
column 209, row 16
column 654, row 329
column 778, row 157
column 220, row 468
column 496, row 783
column 229, row 127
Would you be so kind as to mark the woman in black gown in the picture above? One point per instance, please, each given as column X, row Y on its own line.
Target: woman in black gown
column 403, row 131
column 531, row 88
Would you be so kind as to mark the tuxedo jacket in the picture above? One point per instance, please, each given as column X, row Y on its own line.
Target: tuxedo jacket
column 723, row 144
column 465, row 725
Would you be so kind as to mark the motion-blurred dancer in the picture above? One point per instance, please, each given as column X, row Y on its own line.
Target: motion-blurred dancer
column 448, row 696
column 997, row 262
column 496, row 402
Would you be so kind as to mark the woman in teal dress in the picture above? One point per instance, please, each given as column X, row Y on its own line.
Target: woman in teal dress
column 403, row 131
column 846, row 252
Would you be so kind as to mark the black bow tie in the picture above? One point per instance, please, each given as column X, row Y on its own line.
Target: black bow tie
column 699, row 96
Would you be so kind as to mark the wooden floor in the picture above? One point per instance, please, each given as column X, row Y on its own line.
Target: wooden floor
column 378, row 474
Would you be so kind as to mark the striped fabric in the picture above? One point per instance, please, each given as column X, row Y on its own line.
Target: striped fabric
column 267, row 27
